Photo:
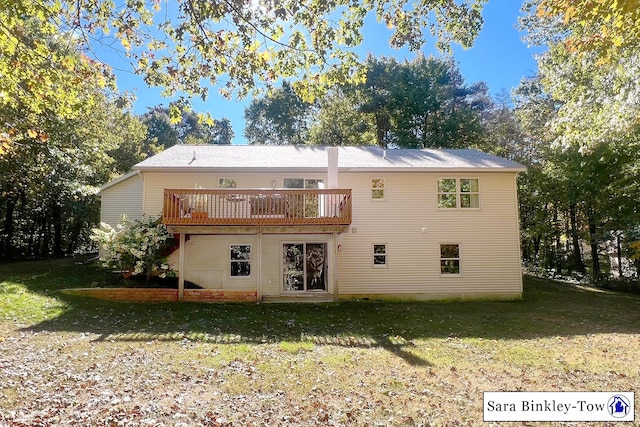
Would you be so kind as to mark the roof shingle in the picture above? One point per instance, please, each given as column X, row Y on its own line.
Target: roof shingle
column 315, row 157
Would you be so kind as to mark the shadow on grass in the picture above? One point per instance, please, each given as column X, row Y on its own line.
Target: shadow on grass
column 548, row 309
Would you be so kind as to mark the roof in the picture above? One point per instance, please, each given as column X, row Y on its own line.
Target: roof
column 118, row 180
column 291, row 157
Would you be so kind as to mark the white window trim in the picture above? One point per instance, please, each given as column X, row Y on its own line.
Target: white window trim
column 458, row 193
column 384, row 189
column 460, row 273
column 231, row 261
column 386, row 255
column 306, row 241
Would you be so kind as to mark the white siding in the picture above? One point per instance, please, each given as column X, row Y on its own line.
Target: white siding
column 124, row 197
column 408, row 221
column 410, row 224
column 156, row 183
column 208, row 264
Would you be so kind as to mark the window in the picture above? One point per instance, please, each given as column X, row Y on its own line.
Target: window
column 454, row 193
column 303, row 183
column 227, row 182
column 380, row 255
column 240, row 260
column 306, row 205
column 377, row 188
column 450, row 259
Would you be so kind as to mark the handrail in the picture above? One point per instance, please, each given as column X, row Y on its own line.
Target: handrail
column 257, row 206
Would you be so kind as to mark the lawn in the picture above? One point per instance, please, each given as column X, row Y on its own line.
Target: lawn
column 77, row 361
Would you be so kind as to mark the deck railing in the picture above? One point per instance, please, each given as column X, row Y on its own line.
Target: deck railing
column 257, row 207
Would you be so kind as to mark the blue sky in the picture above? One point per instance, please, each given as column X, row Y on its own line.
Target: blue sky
column 499, row 58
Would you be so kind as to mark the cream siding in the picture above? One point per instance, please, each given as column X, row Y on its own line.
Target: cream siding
column 156, row 183
column 413, row 228
column 408, row 221
column 124, row 197
column 208, row 262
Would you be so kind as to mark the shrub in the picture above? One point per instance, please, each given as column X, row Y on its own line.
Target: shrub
column 135, row 246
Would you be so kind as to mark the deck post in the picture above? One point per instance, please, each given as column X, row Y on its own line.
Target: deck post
column 259, row 287
column 335, row 266
column 181, row 268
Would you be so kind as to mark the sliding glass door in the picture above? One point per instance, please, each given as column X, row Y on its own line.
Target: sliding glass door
column 304, row 267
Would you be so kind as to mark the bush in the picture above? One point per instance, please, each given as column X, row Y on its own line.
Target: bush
column 135, row 246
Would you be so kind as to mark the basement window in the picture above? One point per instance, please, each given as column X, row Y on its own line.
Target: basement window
column 449, row 259
column 379, row 255
column 240, row 260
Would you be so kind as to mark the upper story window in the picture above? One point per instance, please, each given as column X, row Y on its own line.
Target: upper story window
column 456, row 193
column 377, row 188
column 227, row 182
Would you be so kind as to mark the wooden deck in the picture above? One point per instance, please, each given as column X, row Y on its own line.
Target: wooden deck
column 256, row 207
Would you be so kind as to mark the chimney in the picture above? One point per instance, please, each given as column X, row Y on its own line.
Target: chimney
column 332, row 167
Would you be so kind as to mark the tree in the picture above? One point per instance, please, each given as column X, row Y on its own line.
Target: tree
column 338, row 121
column 598, row 99
column 600, row 28
column 44, row 76
column 281, row 117
column 375, row 95
column 237, row 45
column 190, row 128
column 433, row 108
column 47, row 191
column 422, row 103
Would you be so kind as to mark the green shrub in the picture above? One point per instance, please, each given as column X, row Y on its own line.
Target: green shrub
column 135, row 246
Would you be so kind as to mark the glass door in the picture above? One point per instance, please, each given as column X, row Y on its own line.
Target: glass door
column 304, row 267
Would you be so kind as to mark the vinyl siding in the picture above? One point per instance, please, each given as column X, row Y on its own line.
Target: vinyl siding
column 155, row 183
column 408, row 221
column 410, row 224
column 208, row 264
column 124, row 197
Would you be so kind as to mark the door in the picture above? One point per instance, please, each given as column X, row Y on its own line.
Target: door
column 304, row 267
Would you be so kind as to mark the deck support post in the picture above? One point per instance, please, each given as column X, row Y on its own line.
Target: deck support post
column 259, row 287
column 181, row 268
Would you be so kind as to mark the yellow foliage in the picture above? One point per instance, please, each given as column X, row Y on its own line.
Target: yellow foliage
column 634, row 249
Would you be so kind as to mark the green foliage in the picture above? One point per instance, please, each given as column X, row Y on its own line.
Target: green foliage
column 47, row 190
column 167, row 127
column 235, row 45
column 417, row 104
column 135, row 246
column 281, row 117
column 596, row 91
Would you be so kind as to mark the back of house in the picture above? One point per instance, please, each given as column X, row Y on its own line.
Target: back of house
column 282, row 223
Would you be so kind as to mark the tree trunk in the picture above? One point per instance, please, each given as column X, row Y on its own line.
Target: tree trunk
column 575, row 237
column 8, row 229
column 619, row 248
column 46, row 238
column 56, row 221
column 382, row 126
column 594, row 242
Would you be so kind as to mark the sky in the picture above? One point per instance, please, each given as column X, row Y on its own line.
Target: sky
column 498, row 57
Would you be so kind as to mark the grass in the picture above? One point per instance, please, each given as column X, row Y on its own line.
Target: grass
column 63, row 358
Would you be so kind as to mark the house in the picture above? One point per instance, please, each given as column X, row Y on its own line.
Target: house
column 324, row 223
